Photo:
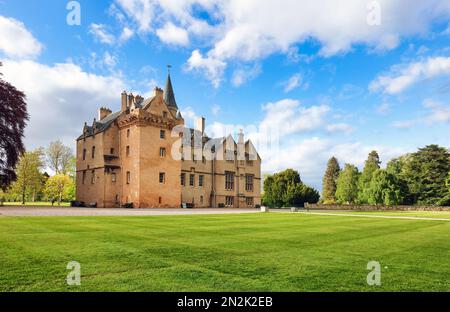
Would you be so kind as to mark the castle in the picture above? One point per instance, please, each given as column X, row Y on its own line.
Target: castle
column 144, row 157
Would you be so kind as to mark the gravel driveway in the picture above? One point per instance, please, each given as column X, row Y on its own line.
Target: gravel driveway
column 67, row 211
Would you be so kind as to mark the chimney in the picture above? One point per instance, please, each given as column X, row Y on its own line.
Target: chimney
column 158, row 92
column 103, row 112
column 124, row 101
column 130, row 100
column 241, row 145
column 201, row 125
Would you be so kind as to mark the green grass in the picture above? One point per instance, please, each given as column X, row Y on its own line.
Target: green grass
column 241, row 252
column 35, row 204
column 421, row 214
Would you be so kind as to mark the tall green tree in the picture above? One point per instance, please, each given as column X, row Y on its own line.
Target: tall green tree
column 13, row 119
column 398, row 168
column 384, row 188
column 285, row 189
column 59, row 188
column 371, row 165
column 60, row 158
column 426, row 174
column 347, row 185
column 329, row 180
column 28, row 174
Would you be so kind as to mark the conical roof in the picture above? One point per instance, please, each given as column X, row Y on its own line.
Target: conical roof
column 169, row 95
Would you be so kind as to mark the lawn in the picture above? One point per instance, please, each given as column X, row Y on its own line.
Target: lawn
column 241, row 252
column 44, row 204
column 420, row 214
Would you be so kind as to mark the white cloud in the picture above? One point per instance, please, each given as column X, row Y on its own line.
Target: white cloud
column 294, row 82
column 109, row 59
column 172, row 34
column 289, row 117
column 16, row 41
column 247, row 73
column 402, row 77
column 383, row 108
column 126, row 34
column 210, row 67
column 237, row 30
column 215, row 109
column 60, row 98
column 100, row 32
column 340, row 127
column 438, row 112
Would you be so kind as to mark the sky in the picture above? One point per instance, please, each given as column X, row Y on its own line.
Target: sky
column 305, row 80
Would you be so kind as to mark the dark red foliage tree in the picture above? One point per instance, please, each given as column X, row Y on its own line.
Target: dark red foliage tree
column 13, row 119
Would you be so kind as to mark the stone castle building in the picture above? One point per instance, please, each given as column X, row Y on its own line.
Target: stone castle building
column 143, row 156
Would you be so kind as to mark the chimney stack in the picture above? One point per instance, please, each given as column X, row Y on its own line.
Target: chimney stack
column 103, row 112
column 201, row 125
column 158, row 92
column 124, row 101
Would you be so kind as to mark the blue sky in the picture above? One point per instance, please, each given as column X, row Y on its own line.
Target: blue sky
column 332, row 79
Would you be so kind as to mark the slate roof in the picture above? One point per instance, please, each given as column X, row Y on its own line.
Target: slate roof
column 169, row 95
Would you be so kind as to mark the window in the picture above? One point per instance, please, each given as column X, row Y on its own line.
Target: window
column 249, row 182
column 165, row 114
column 249, row 201
column 113, row 177
column 162, row 152
column 203, row 159
column 128, row 151
column 128, row 177
column 201, row 200
column 93, row 151
column 93, row 177
column 191, row 180
column 241, row 163
column 183, row 179
column 200, row 180
column 229, row 201
column 160, row 200
column 84, row 154
column 111, row 152
column 128, row 133
column 84, row 177
column 250, row 163
column 229, row 180
column 162, row 177
column 162, row 134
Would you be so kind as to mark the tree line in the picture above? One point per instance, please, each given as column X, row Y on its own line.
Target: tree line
column 33, row 184
column 420, row 178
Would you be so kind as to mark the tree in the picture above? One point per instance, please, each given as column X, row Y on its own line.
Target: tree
column 384, row 188
column 60, row 158
column 398, row 167
column 28, row 174
column 371, row 165
column 13, row 119
column 59, row 188
column 347, row 185
column 285, row 189
column 329, row 180
column 426, row 174
column 447, row 182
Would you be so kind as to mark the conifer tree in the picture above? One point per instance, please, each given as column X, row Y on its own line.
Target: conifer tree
column 371, row 165
column 347, row 185
column 329, row 180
